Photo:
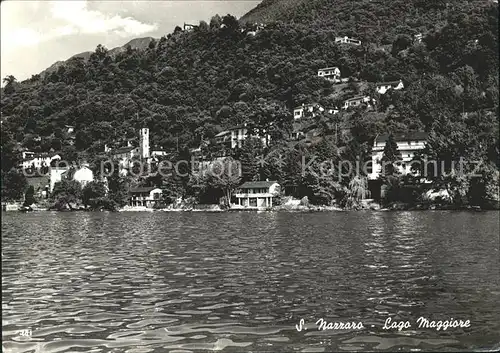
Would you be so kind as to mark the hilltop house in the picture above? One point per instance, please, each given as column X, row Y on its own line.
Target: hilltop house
column 189, row 27
column 144, row 196
column 383, row 87
column 257, row 194
column 407, row 145
column 330, row 73
column 347, row 40
column 356, row 101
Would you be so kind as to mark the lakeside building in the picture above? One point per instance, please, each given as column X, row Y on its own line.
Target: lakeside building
column 144, row 196
column 356, row 101
column 257, row 194
column 347, row 40
column 330, row 74
column 407, row 144
column 82, row 174
column 383, row 87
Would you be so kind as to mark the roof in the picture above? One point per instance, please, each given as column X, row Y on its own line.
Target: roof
column 307, row 105
column 388, row 83
column 328, row 68
column 142, row 189
column 123, row 150
column 223, row 133
column 356, row 98
column 415, row 135
column 257, row 184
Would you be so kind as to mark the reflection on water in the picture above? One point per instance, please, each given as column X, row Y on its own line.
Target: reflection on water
column 150, row 282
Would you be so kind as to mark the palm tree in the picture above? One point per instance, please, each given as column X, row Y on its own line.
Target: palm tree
column 9, row 79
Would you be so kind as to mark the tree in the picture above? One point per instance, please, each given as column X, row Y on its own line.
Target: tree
column 29, row 196
column 66, row 194
column 13, row 185
column 358, row 190
column 390, row 157
column 93, row 195
column 9, row 79
column 224, row 176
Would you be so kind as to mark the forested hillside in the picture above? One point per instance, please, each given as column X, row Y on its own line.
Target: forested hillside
column 190, row 85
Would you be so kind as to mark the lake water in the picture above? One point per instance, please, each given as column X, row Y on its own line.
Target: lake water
column 156, row 282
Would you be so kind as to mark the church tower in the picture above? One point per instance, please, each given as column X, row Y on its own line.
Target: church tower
column 144, row 143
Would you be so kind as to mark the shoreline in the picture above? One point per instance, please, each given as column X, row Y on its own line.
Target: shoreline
column 303, row 209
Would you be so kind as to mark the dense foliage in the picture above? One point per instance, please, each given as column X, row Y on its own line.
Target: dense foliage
column 188, row 86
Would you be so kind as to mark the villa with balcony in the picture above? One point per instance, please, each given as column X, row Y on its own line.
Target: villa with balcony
column 310, row 110
column 256, row 195
column 407, row 144
column 144, row 196
column 330, row 74
column 383, row 87
column 356, row 101
column 347, row 40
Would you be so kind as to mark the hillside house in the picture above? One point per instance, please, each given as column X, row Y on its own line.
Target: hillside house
column 127, row 154
column 37, row 160
column 310, row 110
column 223, row 138
column 407, row 144
column 240, row 133
column 330, row 73
column 417, row 38
column 257, row 194
column 69, row 129
column 144, row 196
column 356, row 101
column 347, row 40
column 383, row 87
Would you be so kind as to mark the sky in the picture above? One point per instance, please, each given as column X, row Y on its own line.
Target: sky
column 35, row 34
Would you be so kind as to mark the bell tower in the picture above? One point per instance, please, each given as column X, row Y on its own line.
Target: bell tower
column 144, row 143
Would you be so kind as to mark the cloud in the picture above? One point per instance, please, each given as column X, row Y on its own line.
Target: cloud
column 83, row 20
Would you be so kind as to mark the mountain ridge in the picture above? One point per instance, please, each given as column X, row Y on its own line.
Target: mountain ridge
column 136, row 43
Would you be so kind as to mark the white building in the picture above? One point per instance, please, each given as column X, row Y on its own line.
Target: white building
column 356, row 101
column 330, row 73
column 407, row 145
column 241, row 132
column 257, row 194
column 144, row 196
column 83, row 175
column 383, row 87
column 55, row 176
column 37, row 160
column 347, row 40
column 126, row 155
column 311, row 110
